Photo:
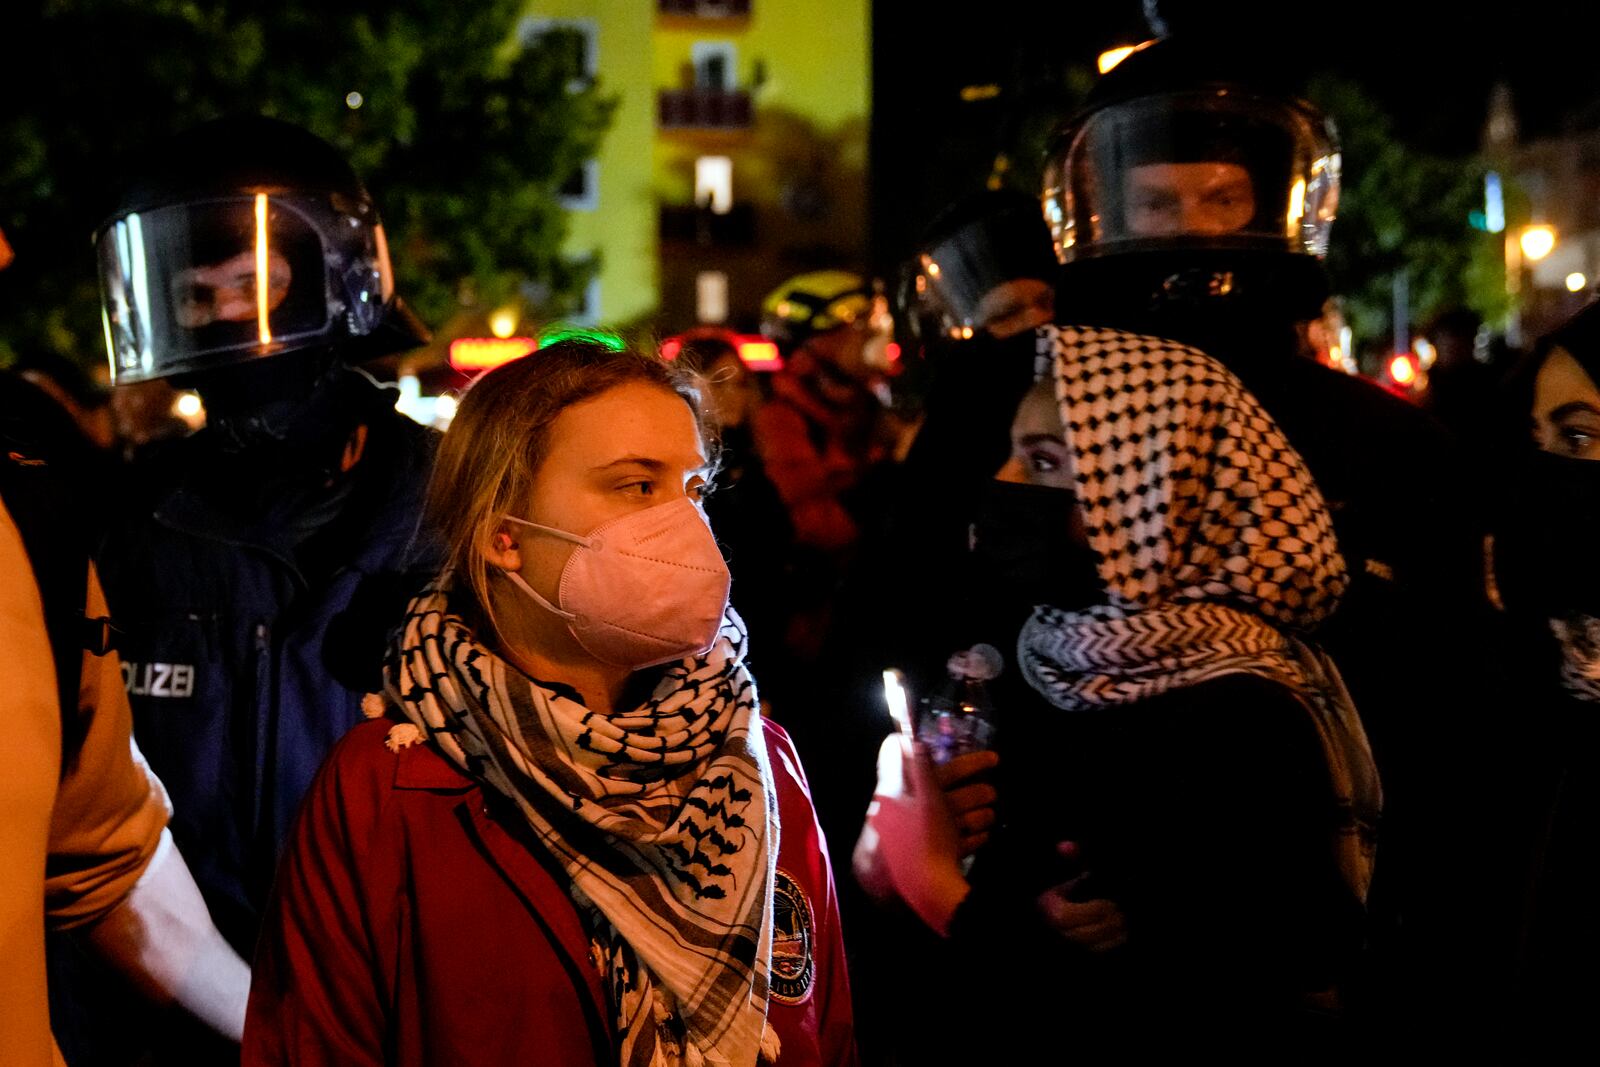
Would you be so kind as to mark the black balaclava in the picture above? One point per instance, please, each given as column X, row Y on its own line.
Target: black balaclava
column 1260, row 324
column 973, row 393
column 278, row 429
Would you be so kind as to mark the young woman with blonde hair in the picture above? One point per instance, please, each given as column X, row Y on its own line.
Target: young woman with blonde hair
column 568, row 836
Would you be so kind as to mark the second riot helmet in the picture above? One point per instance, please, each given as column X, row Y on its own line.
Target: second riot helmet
column 982, row 261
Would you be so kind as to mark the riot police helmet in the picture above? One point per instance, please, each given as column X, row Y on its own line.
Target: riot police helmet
column 246, row 239
column 1194, row 173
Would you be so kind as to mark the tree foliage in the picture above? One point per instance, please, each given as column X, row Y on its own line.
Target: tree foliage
column 463, row 135
column 1404, row 209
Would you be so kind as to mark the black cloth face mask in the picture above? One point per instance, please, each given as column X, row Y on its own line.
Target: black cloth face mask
column 278, row 436
column 1547, row 545
column 1024, row 555
column 974, row 393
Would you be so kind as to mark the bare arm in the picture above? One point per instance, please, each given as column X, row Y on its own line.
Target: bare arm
column 162, row 937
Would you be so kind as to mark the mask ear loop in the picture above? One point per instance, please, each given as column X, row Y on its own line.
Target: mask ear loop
column 518, row 581
column 522, row 584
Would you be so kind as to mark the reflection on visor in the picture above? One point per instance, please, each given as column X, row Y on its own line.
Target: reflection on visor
column 197, row 285
column 219, row 276
column 264, row 265
column 988, row 265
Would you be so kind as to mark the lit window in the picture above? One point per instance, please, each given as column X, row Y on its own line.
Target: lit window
column 711, row 296
column 713, row 183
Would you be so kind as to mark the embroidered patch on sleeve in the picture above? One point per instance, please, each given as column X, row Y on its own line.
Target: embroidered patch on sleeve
column 794, row 963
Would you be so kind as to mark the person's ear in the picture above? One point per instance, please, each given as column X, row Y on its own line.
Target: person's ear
column 502, row 551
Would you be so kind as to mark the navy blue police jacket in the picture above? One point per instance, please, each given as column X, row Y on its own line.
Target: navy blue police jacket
column 247, row 646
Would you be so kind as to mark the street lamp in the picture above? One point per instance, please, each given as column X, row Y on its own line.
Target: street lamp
column 1529, row 244
column 503, row 323
column 1537, row 241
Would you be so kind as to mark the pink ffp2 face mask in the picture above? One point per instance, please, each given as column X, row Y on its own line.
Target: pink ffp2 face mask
column 647, row 588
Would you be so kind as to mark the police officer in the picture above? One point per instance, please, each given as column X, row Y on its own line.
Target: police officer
column 984, row 279
column 247, row 261
column 985, row 266
column 1191, row 198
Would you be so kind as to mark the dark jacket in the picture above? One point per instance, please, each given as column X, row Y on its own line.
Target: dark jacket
column 414, row 924
column 1550, row 767
column 247, row 646
column 1416, row 642
column 1206, row 814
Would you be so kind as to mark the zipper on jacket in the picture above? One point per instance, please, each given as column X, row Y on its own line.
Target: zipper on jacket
column 262, row 733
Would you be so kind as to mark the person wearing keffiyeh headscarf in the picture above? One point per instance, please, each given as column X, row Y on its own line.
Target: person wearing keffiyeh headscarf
column 569, row 835
column 1188, row 798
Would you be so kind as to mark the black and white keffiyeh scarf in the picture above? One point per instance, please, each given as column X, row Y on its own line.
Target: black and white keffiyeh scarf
column 1214, row 546
column 1578, row 637
column 665, row 817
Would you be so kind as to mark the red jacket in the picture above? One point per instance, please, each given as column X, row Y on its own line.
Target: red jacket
column 409, row 926
column 814, row 451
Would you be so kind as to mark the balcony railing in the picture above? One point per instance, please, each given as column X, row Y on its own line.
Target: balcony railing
column 685, row 223
column 704, row 109
column 704, row 9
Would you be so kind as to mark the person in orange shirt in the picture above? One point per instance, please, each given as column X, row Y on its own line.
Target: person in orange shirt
column 84, row 843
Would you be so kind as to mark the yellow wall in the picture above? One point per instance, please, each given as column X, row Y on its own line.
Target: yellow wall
column 817, row 64
column 815, row 101
column 623, row 227
column 816, row 54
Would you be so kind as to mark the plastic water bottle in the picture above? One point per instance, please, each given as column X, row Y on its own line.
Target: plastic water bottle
column 959, row 718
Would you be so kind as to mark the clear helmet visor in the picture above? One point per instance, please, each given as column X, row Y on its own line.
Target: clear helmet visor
column 1213, row 168
column 194, row 286
column 985, row 272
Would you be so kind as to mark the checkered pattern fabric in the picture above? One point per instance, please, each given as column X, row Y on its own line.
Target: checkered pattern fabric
column 663, row 815
column 1578, row 637
column 1215, row 548
column 1190, row 493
